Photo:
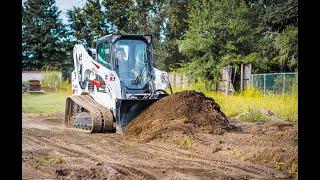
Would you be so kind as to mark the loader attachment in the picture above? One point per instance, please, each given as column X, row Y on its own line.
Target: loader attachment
column 128, row 109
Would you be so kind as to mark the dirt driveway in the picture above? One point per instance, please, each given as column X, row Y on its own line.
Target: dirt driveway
column 261, row 151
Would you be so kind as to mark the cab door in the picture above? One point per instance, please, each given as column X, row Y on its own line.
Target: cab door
column 104, row 55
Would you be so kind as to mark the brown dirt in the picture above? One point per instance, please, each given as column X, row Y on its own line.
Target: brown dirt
column 184, row 113
column 259, row 151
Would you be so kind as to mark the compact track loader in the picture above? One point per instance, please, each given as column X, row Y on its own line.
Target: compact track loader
column 113, row 82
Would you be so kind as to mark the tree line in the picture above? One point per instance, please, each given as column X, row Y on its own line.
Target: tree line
column 198, row 37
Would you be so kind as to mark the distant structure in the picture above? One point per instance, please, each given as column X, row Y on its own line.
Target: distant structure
column 33, row 75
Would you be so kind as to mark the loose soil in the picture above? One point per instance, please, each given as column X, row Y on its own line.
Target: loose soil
column 185, row 113
column 202, row 145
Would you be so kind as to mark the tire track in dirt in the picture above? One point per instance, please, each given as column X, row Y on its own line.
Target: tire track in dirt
column 28, row 170
column 86, row 152
column 43, row 141
column 147, row 164
column 74, row 151
column 132, row 171
column 225, row 165
column 138, row 160
column 98, row 154
column 257, row 171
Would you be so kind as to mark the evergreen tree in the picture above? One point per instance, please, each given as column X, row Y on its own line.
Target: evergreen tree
column 174, row 28
column 121, row 15
column 43, row 36
column 88, row 22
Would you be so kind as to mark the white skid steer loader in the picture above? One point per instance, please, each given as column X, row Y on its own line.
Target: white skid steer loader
column 113, row 83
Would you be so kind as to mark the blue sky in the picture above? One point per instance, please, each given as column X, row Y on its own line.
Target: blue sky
column 64, row 5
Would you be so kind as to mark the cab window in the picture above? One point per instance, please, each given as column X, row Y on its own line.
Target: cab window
column 103, row 53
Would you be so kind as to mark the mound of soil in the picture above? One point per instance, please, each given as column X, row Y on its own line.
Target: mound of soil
column 183, row 113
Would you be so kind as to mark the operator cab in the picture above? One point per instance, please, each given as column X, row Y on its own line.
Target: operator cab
column 130, row 56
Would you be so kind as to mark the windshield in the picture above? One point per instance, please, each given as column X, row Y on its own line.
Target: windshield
column 131, row 56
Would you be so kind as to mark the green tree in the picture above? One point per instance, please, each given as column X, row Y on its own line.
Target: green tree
column 173, row 30
column 287, row 46
column 280, row 14
column 43, row 35
column 220, row 33
column 120, row 15
column 138, row 17
column 164, row 20
column 134, row 16
column 88, row 22
column 280, row 29
column 273, row 18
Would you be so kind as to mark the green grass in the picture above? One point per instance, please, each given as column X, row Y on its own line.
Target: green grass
column 253, row 116
column 53, row 82
column 285, row 106
column 251, row 100
column 55, row 98
column 54, row 160
column 47, row 103
column 186, row 142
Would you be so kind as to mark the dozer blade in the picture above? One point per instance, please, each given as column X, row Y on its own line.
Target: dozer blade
column 128, row 109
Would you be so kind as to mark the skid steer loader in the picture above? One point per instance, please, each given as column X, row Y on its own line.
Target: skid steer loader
column 108, row 92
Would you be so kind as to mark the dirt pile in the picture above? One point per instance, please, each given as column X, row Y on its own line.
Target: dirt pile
column 180, row 114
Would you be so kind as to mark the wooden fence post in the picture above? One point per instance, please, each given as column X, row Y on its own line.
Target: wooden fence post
column 241, row 78
column 283, row 83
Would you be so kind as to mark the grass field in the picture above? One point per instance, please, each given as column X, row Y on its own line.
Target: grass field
column 47, row 103
column 285, row 106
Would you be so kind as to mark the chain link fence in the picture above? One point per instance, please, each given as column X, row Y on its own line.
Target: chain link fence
column 279, row 83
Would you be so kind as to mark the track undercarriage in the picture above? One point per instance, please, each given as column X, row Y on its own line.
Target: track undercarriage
column 85, row 113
